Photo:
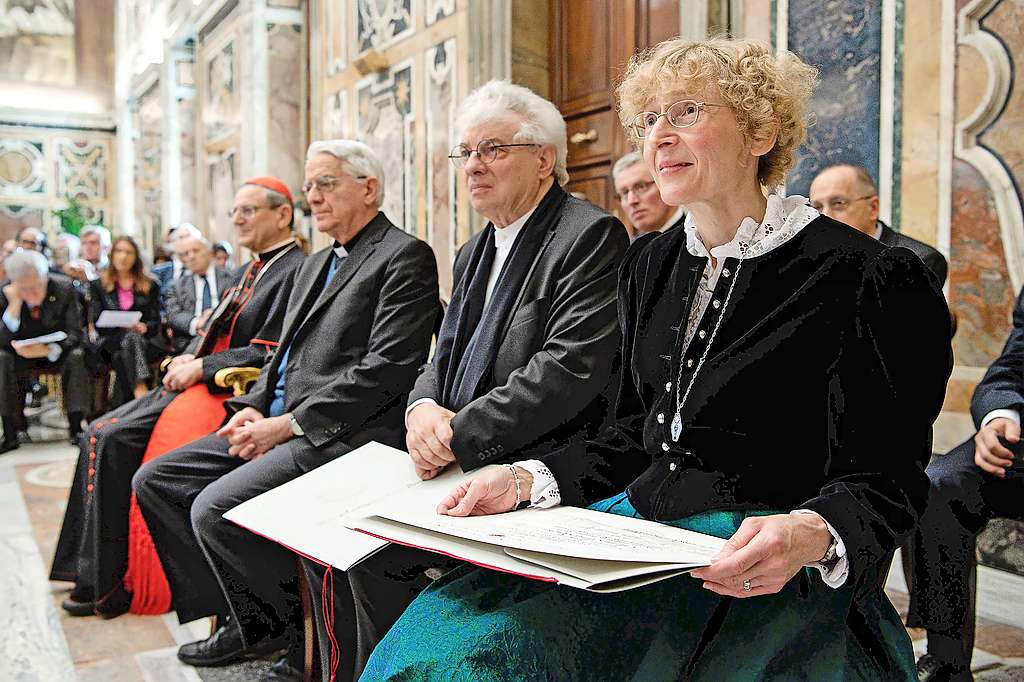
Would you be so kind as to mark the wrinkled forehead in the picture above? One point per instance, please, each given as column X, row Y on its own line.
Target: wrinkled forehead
column 630, row 175
column 501, row 129
column 672, row 91
column 250, row 195
column 324, row 164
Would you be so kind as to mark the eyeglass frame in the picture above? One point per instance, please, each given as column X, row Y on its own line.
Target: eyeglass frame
column 845, row 205
column 699, row 105
column 308, row 186
column 247, row 211
column 460, row 160
column 643, row 186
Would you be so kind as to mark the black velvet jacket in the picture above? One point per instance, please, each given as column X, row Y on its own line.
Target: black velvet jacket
column 819, row 390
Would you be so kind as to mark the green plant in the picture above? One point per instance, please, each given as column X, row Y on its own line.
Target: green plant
column 71, row 218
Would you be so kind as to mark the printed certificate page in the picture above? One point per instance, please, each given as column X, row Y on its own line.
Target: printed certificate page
column 308, row 514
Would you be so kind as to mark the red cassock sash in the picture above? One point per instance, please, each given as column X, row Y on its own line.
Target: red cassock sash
column 193, row 414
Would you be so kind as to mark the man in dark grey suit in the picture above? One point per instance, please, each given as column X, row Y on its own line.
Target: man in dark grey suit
column 846, row 192
column 357, row 327
column 195, row 294
column 525, row 350
column 168, row 273
column 36, row 303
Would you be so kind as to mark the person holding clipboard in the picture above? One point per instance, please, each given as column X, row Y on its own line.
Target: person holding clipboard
column 122, row 339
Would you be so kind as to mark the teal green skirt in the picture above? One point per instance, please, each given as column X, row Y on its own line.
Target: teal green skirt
column 479, row 625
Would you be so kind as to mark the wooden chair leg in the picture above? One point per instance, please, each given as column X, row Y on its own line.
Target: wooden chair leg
column 967, row 640
column 311, row 652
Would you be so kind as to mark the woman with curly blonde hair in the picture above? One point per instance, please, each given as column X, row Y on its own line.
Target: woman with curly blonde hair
column 764, row 346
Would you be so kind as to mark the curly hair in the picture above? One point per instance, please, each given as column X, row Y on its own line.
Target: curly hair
column 768, row 93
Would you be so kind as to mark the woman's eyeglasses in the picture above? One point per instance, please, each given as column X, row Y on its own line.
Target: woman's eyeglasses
column 681, row 114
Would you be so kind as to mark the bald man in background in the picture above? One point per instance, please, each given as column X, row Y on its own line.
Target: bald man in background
column 846, row 192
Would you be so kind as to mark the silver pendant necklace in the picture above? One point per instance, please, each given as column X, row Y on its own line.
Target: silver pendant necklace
column 677, row 419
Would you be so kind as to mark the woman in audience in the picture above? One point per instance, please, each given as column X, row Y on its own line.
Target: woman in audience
column 124, row 286
column 764, row 346
column 222, row 252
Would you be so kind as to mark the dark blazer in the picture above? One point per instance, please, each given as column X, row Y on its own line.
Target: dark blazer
column 181, row 304
column 60, row 313
column 256, row 327
column 790, row 409
column 556, row 353
column 1002, row 387
column 148, row 304
column 353, row 351
column 935, row 261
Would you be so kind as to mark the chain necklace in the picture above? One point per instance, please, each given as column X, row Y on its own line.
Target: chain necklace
column 677, row 419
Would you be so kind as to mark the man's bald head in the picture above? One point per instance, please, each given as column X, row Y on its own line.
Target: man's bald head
column 847, row 193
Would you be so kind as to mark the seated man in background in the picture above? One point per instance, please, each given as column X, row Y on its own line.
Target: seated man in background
column 977, row 481
column 194, row 296
column 168, row 273
column 640, row 199
column 36, row 303
column 93, row 550
column 358, row 326
column 525, row 350
column 846, row 193
column 93, row 254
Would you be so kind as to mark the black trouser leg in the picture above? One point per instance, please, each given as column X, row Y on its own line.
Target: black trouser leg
column 961, row 501
column 10, row 402
column 75, row 383
column 165, row 489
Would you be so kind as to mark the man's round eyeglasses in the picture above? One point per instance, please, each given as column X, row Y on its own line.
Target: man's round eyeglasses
column 245, row 211
column 637, row 189
column 681, row 114
column 486, row 151
column 839, row 203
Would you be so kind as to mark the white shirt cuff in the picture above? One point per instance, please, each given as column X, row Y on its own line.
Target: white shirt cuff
column 836, row 577
column 13, row 325
column 55, row 351
column 544, row 491
column 192, row 326
column 413, row 406
column 1012, row 415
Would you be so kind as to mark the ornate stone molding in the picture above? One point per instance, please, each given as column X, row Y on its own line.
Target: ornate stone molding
column 966, row 145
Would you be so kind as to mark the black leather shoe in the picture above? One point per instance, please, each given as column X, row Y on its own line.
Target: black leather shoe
column 8, row 445
column 78, row 608
column 282, row 671
column 933, row 669
column 225, row 646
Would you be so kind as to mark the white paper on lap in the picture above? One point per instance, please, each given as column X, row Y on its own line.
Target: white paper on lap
column 115, row 319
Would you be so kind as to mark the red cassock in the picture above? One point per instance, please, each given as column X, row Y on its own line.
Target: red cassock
column 192, row 415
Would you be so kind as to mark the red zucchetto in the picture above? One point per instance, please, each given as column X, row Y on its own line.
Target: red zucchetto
column 273, row 183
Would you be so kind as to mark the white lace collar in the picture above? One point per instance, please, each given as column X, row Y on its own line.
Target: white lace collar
column 784, row 217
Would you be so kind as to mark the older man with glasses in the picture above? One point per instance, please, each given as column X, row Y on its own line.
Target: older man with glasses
column 846, row 192
column 357, row 328
column 640, row 199
column 35, row 304
column 524, row 353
